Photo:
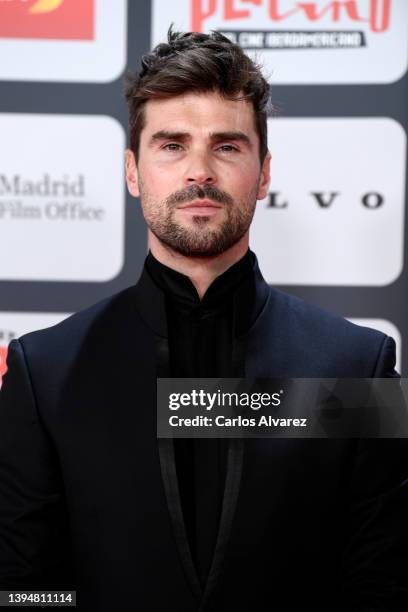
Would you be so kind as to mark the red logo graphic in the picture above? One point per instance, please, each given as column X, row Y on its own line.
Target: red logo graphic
column 48, row 19
column 3, row 356
column 377, row 15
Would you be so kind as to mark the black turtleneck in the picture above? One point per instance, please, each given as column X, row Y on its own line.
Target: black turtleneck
column 200, row 335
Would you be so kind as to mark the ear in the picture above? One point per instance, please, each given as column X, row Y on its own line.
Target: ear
column 131, row 173
column 265, row 177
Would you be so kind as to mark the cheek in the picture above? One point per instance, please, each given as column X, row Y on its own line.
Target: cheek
column 159, row 180
column 243, row 180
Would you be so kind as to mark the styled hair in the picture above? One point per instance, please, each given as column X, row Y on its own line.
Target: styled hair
column 196, row 62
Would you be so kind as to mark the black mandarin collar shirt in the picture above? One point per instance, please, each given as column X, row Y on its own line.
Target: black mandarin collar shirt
column 179, row 287
column 201, row 335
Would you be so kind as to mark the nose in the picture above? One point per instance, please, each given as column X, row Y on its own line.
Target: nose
column 199, row 170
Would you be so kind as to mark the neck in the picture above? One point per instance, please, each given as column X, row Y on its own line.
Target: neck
column 202, row 271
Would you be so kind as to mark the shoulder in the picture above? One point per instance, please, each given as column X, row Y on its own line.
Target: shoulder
column 83, row 353
column 63, row 340
column 309, row 318
column 326, row 338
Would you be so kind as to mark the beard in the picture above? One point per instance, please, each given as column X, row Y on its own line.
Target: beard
column 198, row 240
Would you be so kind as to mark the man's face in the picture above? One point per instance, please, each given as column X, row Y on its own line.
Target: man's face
column 198, row 173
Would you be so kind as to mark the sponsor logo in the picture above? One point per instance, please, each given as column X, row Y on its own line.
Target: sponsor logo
column 3, row 366
column 325, row 199
column 335, row 211
column 45, row 6
column 47, row 19
column 62, row 198
column 297, row 40
column 376, row 14
column 363, row 32
column 62, row 40
column 6, row 336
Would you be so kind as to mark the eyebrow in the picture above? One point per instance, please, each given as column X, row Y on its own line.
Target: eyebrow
column 235, row 136
column 166, row 135
column 214, row 136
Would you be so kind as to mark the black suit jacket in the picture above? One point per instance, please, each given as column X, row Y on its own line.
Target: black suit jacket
column 89, row 497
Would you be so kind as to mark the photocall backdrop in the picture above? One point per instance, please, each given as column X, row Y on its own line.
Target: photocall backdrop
column 333, row 228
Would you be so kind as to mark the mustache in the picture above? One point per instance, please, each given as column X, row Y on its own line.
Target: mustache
column 194, row 192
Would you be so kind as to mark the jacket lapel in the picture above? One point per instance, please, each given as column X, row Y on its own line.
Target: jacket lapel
column 230, row 500
column 169, row 475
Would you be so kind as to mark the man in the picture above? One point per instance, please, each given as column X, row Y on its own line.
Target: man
column 90, row 499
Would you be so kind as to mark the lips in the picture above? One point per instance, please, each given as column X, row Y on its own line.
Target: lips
column 200, row 210
column 201, row 204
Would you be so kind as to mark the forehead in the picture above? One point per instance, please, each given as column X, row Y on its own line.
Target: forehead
column 200, row 112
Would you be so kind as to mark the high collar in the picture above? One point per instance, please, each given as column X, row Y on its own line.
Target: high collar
column 249, row 295
column 179, row 288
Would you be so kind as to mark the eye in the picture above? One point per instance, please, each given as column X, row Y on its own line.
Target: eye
column 227, row 148
column 172, row 146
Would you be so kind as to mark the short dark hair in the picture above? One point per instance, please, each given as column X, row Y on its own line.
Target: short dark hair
column 196, row 62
